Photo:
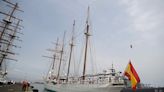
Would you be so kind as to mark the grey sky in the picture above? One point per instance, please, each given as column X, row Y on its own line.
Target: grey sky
column 115, row 25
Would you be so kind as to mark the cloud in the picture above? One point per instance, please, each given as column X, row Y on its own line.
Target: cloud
column 145, row 20
column 145, row 15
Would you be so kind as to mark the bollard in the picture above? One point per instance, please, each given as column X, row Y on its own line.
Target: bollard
column 35, row 90
column 32, row 86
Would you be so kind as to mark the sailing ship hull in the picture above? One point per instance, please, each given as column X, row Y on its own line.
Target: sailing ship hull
column 83, row 88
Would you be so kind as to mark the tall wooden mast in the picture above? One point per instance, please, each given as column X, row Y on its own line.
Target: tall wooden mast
column 71, row 49
column 61, row 56
column 54, row 58
column 55, row 55
column 10, row 42
column 8, row 34
column 86, row 44
column 8, row 21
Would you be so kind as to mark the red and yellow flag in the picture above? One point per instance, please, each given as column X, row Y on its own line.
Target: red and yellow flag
column 132, row 75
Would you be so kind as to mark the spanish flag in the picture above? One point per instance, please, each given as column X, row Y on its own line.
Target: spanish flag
column 132, row 75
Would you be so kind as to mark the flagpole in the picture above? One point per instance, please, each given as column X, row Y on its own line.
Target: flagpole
column 131, row 52
column 131, row 74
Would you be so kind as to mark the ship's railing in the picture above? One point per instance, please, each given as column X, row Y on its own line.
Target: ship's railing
column 101, row 79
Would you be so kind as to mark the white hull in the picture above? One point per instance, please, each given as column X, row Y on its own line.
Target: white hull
column 3, row 77
column 83, row 87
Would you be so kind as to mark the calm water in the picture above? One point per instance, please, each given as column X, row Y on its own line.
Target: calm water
column 40, row 87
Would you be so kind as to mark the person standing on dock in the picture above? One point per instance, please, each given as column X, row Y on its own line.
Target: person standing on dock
column 25, row 86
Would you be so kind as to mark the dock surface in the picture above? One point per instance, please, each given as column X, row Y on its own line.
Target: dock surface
column 13, row 88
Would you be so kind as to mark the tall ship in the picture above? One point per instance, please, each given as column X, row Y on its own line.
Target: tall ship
column 107, row 81
column 9, row 29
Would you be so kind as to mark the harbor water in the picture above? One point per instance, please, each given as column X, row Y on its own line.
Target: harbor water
column 40, row 87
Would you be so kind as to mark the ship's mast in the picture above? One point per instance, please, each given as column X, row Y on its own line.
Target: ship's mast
column 55, row 55
column 55, row 51
column 8, row 34
column 61, row 56
column 71, row 49
column 8, row 21
column 10, row 42
column 86, row 44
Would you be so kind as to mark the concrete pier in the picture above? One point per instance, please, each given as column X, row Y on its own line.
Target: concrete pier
column 160, row 89
column 14, row 88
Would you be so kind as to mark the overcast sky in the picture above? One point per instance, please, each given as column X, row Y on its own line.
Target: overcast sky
column 115, row 25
